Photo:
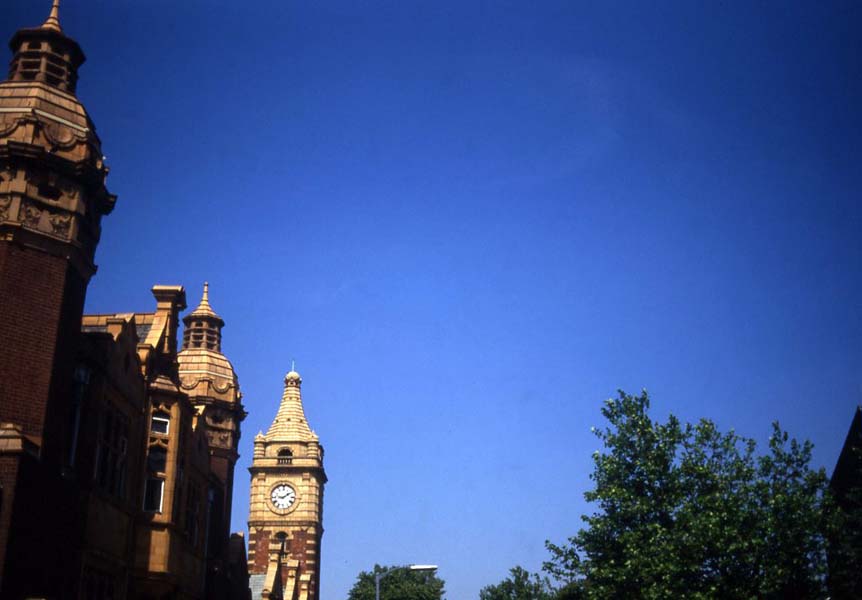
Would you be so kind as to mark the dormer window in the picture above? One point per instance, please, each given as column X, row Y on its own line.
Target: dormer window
column 161, row 423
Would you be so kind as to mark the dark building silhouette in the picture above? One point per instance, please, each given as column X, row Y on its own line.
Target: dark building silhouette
column 845, row 547
column 117, row 449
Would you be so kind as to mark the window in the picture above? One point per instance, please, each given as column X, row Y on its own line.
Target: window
column 82, row 378
column 193, row 514
column 161, row 423
column 285, row 456
column 153, row 494
column 157, row 459
column 111, row 446
column 97, row 585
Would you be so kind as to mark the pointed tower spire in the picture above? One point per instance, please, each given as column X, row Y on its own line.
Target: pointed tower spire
column 204, row 308
column 53, row 20
column 290, row 420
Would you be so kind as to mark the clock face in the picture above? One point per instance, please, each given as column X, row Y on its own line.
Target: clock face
column 283, row 496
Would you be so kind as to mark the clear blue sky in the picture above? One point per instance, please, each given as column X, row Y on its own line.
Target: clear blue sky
column 471, row 222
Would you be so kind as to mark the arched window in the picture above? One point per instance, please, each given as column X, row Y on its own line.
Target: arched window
column 281, row 539
column 285, row 456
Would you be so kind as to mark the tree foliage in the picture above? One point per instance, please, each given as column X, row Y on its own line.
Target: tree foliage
column 520, row 585
column 687, row 511
column 398, row 583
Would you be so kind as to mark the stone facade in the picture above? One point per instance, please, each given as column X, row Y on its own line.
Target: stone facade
column 286, row 509
column 209, row 380
column 116, row 449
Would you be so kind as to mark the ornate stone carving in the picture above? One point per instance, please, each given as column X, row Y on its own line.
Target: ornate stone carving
column 8, row 124
column 222, row 388
column 220, row 439
column 60, row 224
column 59, row 136
column 30, row 216
column 9, row 175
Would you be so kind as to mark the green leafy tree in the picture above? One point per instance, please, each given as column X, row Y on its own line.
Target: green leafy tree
column 687, row 511
column 398, row 583
column 520, row 585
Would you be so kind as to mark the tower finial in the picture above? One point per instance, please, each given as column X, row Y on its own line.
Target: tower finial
column 206, row 297
column 293, row 364
column 53, row 20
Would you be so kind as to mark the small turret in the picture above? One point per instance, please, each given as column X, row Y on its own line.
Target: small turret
column 203, row 326
column 46, row 55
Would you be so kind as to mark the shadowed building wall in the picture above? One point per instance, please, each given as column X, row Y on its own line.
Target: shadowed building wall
column 209, row 380
column 108, row 485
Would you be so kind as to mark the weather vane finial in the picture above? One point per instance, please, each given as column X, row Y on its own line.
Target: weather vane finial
column 53, row 20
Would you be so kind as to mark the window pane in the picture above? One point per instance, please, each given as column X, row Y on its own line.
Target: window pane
column 153, row 495
column 161, row 423
column 157, row 459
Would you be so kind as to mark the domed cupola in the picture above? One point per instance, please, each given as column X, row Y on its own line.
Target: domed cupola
column 46, row 55
column 52, row 172
column 204, row 370
column 203, row 326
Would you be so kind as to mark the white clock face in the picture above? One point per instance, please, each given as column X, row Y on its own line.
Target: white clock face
column 283, row 496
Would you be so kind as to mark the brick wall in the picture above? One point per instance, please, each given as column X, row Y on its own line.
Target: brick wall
column 41, row 303
column 8, row 478
column 259, row 543
column 31, row 288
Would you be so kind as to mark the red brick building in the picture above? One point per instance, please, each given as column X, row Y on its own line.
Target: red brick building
column 117, row 449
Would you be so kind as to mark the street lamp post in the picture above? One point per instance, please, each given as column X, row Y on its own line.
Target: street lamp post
column 378, row 576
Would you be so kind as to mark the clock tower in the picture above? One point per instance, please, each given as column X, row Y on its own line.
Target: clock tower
column 286, row 509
